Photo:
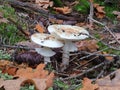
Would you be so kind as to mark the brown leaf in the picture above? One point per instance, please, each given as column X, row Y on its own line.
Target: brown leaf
column 39, row 73
column 39, row 28
column 110, row 58
column 108, row 83
column 10, row 70
column 87, row 45
column 44, row 3
column 55, row 21
column 63, row 10
column 87, row 85
column 117, row 13
column 117, row 35
column 3, row 20
column 40, row 84
column 100, row 13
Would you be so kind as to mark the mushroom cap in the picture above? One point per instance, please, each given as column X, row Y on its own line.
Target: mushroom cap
column 68, row 32
column 46, row 40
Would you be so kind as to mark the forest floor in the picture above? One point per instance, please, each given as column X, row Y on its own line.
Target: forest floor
column 94, row 66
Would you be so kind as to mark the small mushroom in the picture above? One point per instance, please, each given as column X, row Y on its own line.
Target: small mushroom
column 68, row 33
column 47, row 41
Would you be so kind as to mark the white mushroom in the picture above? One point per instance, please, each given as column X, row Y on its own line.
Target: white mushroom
column 47, row 41
column 69, row 34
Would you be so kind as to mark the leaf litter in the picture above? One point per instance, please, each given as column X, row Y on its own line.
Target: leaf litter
column 88, row 45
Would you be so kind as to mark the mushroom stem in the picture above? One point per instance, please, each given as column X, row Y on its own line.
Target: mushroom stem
column 68, row 47
column 65, row 58
column 46, row 60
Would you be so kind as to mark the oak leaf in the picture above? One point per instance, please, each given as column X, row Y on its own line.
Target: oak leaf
column 40, row 84
column 110, row 82
column 117, row 13
column 39, row 28
column 63, row 10
column 100, row 13
column 38, row 73
column 44, row 3
column 87, row 85
column 87, row 45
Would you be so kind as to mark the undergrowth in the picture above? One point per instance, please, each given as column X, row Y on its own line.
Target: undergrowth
column 9, row 33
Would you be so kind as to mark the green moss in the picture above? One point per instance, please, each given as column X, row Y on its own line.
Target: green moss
column 8, row 31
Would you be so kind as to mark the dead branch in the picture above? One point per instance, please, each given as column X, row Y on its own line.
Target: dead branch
column 33, row 8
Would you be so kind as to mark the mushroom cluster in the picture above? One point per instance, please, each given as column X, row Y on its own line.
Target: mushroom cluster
column 60, row 36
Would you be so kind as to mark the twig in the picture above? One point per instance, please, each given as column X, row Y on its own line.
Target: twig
column 106, row 28
column 78, row 75
column 91, row 13
column 104, row 43
column 14, row 47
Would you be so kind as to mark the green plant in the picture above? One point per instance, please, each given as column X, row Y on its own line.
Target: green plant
column 28, row 87
column 109, row 8
column 8, row 31
column 82, row 7
column 4, row 55
column 5, row 76
column 61, row 85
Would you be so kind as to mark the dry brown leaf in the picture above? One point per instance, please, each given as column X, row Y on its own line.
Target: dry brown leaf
column 63, row 10
column 110, row 58
column 108, row 83
column 100, row 13
column 39, row 77
column 40, row 84
column 87, row 45
column 39, row 73
column 44, row 3
column 117, row 13
column 10, row 70
column 39, row 28
column 117, row 35
column 87, row 85
column 55, row 21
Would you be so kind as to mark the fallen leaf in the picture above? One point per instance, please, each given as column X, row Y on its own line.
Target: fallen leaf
column 108, row 83
column 10, row 70
column 55, row 21
column 87, row 45
column 63, row 10
column 39, row 73
column 117, row 13
column 44, row 3
column 40, row 84
column 99, row 10
column 110, row 58
column 87, row 85
column 117, row 35
column 39, row 28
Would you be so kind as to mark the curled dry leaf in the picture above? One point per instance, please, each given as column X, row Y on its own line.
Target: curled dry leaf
column 87, row 85
column 44, row 3
column 117, row 13
column 100, row 13
column 55, row 21
column 38, row 77
column 40, row 84
column 39, row 28
column 87, row 45
column 38, row 73
column 108, row 83
column 63, row 10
